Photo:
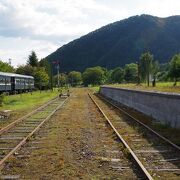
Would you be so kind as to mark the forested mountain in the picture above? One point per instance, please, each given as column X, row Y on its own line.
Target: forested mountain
column 121, row 43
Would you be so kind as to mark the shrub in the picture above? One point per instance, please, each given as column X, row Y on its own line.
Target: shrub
column 1, row 99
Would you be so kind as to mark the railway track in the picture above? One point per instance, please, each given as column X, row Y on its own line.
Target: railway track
column 154, row 155
column 16, row 134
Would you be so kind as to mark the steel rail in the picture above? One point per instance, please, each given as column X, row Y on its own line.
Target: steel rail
column 141, row 166
column 25, row 139
column 144, row 125
column 4, row 129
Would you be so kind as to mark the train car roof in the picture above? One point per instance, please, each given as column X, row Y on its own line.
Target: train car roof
column 15, row 75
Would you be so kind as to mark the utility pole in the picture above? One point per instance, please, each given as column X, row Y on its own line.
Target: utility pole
column 10, row 60
column 58, row 67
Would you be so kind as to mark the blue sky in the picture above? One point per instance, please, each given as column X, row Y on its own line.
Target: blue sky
column 45, row 25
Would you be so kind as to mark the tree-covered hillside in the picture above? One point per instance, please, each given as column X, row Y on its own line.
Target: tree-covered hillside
column 122, row 43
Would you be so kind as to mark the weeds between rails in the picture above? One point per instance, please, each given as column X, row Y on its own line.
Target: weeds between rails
column 18, row 133
column 162, row 163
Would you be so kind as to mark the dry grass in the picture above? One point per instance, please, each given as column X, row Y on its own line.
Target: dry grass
column 162, row 87
column 69, row 149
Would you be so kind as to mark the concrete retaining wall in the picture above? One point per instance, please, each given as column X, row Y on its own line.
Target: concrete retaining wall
column 164, row 107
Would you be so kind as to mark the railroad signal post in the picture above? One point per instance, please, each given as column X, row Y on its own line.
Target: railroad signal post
column 57, row 63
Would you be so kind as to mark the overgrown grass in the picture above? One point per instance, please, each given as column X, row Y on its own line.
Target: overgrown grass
column 95, row 89
column 160, row 86
column 27, row 101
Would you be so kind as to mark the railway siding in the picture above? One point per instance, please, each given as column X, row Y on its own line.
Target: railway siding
column 163, row 107
column 16, row 134
column 77, row 144
column 158, row 158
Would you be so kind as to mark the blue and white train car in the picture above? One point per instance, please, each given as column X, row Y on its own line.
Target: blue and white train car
column 11, row 82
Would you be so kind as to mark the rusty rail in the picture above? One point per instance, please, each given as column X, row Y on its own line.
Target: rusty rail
column 144, row 125
column 140, row 165
column 24, row 117
column 24, row 140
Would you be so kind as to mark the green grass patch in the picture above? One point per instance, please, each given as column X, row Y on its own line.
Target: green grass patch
column 27, row 101
column 95, row 89
column 160, row 86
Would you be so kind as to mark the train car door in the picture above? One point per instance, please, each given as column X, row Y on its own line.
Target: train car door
column 13, row 84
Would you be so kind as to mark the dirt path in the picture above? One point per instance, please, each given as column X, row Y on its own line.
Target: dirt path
column 74, row 144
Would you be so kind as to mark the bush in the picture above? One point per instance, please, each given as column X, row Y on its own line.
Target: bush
column 117, row 75
column 1, row 99
column 74, row 78
column 93, row 76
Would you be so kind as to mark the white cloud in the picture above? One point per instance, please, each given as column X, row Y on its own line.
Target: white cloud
column 19, row 55
column 37, row 17
column 44, row 25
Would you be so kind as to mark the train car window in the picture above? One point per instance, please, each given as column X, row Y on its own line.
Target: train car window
column 7, row 81
column 3, row 80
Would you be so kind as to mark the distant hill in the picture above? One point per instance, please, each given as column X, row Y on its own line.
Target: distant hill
column 122, row 42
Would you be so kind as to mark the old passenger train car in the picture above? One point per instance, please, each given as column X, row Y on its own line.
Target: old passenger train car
column 11, row 82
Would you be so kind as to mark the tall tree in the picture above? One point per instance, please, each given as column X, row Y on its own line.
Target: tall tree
column 94, row 76
column 49, row 69
column 5, row 67
column 25, row 69
column 41, row 78
column 163, row 74
column 174, row 71
column 117, row 75
column 32, row 59
column 146, row 60
column 155, row 70
column 75, row 78
column 131, row 72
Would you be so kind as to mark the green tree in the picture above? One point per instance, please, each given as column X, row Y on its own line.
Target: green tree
column 49, row 69
column 117, row 75
column 41, row 78
column 174, row 71
column 25, row 69
column 5, row 67
column 163, row 74
column 93, row 76
column 146, row 60
column 46, row 64
column 108, row 76
column 32, row 59
column 62, row 79
column 155, row 70
column 75, row 78
column 131, row 72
